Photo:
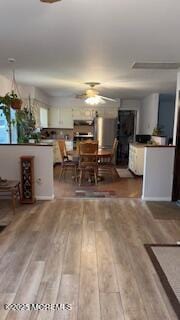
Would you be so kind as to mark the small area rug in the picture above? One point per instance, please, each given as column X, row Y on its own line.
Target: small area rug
column 94, row 194
column 166, row 261
column 124, row 173
column 172, row 212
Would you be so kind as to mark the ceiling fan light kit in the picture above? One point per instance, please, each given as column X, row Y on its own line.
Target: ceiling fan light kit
column 94, row 100
column 92, row 96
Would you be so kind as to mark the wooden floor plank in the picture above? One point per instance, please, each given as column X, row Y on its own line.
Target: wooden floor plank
column 106, row 268
column 111, row 306
column 88, row 253
column 68, row 294
column 31, row 281
column 89, row 306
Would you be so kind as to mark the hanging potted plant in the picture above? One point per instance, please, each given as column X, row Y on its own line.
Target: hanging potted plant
column 16, row 102
column 11, row 100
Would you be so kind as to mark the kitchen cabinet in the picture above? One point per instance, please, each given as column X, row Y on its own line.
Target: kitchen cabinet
column 60, row 118
column 83, row 113
column 66, row 118
column 107, row 112
column 53, row 117
column 63, row 117
column 89, row 113
column 136, row 158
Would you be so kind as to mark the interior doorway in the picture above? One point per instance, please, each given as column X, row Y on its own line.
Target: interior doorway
column 176, row 185
column 126, row 133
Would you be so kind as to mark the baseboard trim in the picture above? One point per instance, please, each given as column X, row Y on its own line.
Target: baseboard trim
column 44, row 198
column 165, row 199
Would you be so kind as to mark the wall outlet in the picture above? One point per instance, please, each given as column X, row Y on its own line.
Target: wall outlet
column 39, row 181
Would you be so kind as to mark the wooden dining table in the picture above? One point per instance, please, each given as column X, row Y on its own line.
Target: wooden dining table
column 103, row 156
column 102, row 153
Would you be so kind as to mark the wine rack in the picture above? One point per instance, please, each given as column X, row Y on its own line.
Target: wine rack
column 27, row 179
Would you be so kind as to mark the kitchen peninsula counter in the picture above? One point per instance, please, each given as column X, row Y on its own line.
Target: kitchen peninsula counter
column 28, row 144
column 158, row 173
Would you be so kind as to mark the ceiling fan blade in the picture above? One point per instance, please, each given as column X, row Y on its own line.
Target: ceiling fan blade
column 109, row 99
column 81, row 96
column 49, row 1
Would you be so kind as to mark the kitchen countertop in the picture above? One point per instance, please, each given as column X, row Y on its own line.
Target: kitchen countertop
column 138, row 145
column 148, row 145
column 43, row 144
column 160, row 146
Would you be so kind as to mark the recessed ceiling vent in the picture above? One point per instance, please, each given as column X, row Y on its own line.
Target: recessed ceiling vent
column 156, row 65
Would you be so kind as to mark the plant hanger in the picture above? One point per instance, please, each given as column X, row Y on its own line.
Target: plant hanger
column 14, row 96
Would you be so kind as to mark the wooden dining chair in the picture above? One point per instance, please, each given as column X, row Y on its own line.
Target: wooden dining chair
column 88, row 159
column 66, row 163
column 108, row 164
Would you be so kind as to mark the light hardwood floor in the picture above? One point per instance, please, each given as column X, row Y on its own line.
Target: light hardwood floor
column 122, row 187
column 88, row 253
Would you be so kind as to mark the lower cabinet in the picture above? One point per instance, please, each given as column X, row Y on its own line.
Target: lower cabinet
column 136, row 159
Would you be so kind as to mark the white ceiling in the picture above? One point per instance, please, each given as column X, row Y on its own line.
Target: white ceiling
column 60, row 46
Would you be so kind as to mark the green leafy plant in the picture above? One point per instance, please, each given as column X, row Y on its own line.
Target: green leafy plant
column 36, row 136
column 11, row 100
column 157, row 131
column 24, row 118
column 25, row 124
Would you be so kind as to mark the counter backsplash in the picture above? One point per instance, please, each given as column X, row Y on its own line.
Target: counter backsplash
column 57, row 133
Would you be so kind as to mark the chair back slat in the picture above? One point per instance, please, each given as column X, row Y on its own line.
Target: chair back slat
column 114, row 148
column 88, row 152
column 62, row 149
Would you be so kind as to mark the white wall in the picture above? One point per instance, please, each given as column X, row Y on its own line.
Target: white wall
column 41, row 96
column 149, row 114
column 5, row 85
column 24, row 90
column 158, row 173
column 77, row 103
column 10, row 166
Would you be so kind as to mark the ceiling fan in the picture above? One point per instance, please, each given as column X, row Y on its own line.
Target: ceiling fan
column 91, row 95
column 49, row 1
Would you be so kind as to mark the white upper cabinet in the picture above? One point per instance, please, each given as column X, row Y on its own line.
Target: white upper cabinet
column 54, row 117
column 107, row 112
column 87, row 113
column 83, row 113
column 63, row 117
column 60, row 117
column 66, row 119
